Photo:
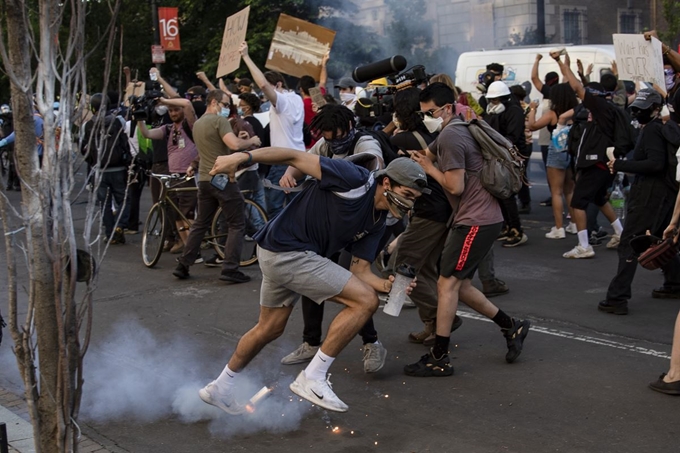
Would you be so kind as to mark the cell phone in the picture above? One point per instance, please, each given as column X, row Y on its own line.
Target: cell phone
column 220, row 181
column 153, row 76
column 317, row 97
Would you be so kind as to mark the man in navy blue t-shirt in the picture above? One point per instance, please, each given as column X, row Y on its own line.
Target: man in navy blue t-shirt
column 343, row 207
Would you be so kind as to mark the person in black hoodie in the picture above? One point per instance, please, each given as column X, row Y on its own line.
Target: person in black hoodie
column 650, row 202
column 506, row 116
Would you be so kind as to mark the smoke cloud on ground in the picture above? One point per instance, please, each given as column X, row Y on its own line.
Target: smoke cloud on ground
column 134, row 375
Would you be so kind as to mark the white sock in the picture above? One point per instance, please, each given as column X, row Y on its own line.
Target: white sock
column 583, row 238
column 618, row 228
column 227, row 379
column 318, row 367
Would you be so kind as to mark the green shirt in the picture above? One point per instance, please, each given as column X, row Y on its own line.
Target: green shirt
column 208, row 132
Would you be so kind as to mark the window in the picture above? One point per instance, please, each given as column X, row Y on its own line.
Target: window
column 629, row 21
column 375, row 14
column 574, row 25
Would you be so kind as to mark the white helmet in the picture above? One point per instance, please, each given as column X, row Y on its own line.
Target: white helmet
column 497, row 89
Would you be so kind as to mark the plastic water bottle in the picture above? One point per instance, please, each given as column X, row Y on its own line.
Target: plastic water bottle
column 618, row 198
column 395, row 299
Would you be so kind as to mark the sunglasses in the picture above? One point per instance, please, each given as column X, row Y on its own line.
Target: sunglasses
column 430, row 113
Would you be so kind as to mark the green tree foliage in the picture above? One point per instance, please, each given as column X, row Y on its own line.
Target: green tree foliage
column 671, row 12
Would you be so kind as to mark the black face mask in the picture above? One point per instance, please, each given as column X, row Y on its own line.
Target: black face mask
column 643, row 116
column 199, row 108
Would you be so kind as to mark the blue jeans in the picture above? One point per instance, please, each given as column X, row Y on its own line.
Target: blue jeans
column 250, row 182
column 112, row 188
column 275, row 198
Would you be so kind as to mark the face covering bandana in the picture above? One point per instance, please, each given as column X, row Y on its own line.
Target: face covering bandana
column 224, row 112
column 399, row 205
column 495, row 109
column 670, row 78
column 644, row 116
column 395, row 121
column 347, row 98
column 199, row 107
column 433, row 124
column 341, row 145
column 161, row 110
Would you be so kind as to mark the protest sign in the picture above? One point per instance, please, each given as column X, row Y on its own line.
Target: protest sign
column 234, row 34
column 298, row 47
column 639, row 60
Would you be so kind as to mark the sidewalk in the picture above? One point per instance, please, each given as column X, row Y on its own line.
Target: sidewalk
column 14, row 413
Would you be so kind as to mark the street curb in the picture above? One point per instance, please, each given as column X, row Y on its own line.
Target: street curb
column 14, row 413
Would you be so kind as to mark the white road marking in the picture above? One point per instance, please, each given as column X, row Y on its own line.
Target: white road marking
column 577, row 337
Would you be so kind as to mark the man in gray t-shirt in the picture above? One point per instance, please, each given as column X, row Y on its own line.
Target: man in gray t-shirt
column 214, row 137
column 476, row 225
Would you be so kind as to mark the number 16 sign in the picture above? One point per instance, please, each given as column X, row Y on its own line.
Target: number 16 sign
column 169, row 28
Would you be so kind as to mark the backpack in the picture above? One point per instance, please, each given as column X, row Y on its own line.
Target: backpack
column 389, row 152
column 109, row 137
column 502, row 170
column 578, row 127
column 625, row 135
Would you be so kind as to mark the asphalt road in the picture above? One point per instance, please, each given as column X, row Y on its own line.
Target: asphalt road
column 579, row 386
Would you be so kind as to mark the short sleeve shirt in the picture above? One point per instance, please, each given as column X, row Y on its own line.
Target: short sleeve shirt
column 285, row 121
column 208, row 132
column 456, row 149
column 324, row 219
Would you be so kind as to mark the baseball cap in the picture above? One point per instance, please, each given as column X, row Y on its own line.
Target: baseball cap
column 407, row 173
column 646, row 98
column 346, row 82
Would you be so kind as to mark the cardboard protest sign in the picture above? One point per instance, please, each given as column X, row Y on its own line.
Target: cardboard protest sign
column 133, row 89
column 639, row 60
column 234, row 34
column 298, row 47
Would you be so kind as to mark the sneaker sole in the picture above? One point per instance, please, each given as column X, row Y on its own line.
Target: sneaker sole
column 297, row 360
column 579, row 257
column 205, row 396
column 524, row 239
column 233, row 281
column 180, row 276
column 429, row 372
column 206, row 264
column 657, row 295
column 299, row 391
column 613, row 310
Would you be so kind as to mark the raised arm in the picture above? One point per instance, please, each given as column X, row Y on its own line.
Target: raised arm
column 185, row 104
column 323, row 77
column 672, row 56
column 153, row 134
column 307, row 163
column 546, row 119
column 535, row 79
column 569, row 76
column 206, row 81
column 268, row 89
column 167, row 88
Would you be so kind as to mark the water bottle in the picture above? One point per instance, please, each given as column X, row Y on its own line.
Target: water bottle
column 618, row 198
column 395, row 299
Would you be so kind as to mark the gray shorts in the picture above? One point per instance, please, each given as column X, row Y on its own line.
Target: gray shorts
column 288, row 275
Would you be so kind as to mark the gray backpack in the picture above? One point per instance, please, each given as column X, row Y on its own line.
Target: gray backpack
column 502, row 171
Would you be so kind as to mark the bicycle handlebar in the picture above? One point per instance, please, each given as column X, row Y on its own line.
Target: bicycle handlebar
column 170, row 177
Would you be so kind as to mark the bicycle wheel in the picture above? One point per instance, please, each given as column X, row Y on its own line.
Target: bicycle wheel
column 153, row 235
column 255, row 218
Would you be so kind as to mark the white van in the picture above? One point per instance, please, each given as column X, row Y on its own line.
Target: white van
column 518, row 62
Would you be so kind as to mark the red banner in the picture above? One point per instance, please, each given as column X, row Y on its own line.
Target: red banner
column 169, row 28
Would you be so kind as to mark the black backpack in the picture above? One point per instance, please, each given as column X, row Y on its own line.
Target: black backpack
column 108, row 135
column 389, row 152
column 577, row 129
column 625, row 135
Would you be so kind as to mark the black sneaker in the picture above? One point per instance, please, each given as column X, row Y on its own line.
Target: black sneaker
column 118, row 236
column 503, row 234
column 181, row 271
column 515, row 238
column 515, row 338
column 429, row 366
column 663, row 292
column 547, row 202
column 234, row 277
column 613, row 308
column 524, row 209
column 215, row 261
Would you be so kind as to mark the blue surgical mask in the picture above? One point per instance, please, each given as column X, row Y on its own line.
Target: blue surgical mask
column 239, row 111
column 224, row 112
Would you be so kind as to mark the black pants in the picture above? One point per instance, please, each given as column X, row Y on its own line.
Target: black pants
column 650, row 207
column 135, row 190
column 511, row 213
column 209, row 199
column 312, row 314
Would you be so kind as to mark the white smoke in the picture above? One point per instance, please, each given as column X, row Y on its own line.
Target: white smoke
column 134, row 375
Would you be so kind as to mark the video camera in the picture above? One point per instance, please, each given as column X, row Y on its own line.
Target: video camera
column 141, row 107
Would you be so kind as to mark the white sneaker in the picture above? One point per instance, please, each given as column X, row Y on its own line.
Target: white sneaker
column 304, row 353
column 374, row 357
column 226, row 401
column 580, row 252
column 318, row 392
column 556, row 233
column 614, row 241
column 571, row 228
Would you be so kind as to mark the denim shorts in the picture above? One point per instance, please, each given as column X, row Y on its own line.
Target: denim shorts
column 558, row 159
column 288, row 275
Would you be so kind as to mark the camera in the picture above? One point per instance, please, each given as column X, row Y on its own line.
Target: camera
column 416, row 77
column 141, row 107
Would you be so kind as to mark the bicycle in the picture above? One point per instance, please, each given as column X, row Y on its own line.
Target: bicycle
column 156, row 224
